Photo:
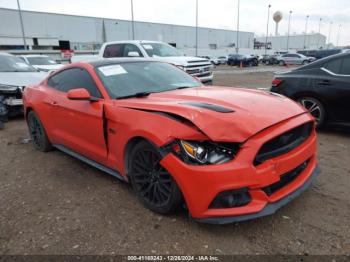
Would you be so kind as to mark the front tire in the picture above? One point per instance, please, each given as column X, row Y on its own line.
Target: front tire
column 37, row 133
column 152, row 183
column 315, row 108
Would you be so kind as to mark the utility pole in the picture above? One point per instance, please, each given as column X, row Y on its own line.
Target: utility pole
column 290, row 14
column 329, row 34
column 22, row 26
column 267, row 27
column 132, row 20
column 237, row 39
column 319, row 34
column 196, row 27
column 338, row 35
column 306, row 23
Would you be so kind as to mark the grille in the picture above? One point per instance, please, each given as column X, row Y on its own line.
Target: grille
column 285, row 179
column 284, row 143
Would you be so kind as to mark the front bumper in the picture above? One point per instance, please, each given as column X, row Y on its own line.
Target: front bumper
column 269, row 209
column 201, row 184
column 206, row 79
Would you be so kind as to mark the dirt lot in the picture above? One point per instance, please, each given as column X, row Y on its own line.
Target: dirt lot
column 51, row 203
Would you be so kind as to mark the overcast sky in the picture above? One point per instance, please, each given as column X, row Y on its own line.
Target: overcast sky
column 212, row 13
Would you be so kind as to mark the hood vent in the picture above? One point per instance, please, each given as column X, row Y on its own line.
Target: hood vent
column 211, row 107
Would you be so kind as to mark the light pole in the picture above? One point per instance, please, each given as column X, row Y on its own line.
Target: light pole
column 22, row 26
column 132, row 20
column 319, row 34
column 338, row 35
column 196, row 27
column 306, row 23
column 237, row 39
column 290, row 14
column 267, row 27
column 329, row 34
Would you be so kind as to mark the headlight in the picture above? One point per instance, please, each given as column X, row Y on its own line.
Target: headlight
column 207, row 152
column 181, row 67
column 8, row 88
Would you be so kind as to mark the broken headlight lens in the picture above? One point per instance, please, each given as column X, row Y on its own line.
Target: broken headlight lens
column 8, row 88
column 207, row 152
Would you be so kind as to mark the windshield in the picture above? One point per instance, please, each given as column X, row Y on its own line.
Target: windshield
column 160, row 49
column 14, row 64
column 41, row 60
column 132, row 78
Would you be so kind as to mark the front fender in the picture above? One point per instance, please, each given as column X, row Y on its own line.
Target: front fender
column 124, row 124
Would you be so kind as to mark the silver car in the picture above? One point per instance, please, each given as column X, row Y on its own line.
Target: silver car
column 295, row 59
column 15, row 74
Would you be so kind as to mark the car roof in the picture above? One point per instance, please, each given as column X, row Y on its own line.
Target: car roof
column 113, row 61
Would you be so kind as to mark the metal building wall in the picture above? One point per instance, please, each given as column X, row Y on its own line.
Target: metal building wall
column 87, row 32
column 312, row 41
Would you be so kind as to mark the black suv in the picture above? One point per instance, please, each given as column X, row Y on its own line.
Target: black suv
column 323, row 87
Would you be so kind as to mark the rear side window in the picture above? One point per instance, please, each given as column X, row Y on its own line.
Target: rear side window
column 345, row 68
column 334, row 66
column 73, row 79
column 120, row 50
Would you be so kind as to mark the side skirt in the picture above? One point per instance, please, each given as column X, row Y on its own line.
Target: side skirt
column 90, row 162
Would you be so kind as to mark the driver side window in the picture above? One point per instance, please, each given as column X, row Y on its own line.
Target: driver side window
column 74, row 78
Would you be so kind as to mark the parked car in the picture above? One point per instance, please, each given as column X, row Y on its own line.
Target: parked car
column 14, row 76
column 214, row 61
column 198, row 67
column 269, row 59
column 222, row 60
column 294, row 59
column 322, row 87
column 41, row 62
column 318, row 54
column 244, row 60
column 220, row 150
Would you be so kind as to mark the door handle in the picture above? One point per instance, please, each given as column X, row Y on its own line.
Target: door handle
column 53, row 103
column 324, row 83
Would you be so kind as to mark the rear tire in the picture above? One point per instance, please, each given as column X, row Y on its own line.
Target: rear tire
column 37, row 133
column 281, row 63
column 152, row 183
column 316, row 109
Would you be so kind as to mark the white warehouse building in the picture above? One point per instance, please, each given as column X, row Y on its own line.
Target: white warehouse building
column 60, row 31
column 296, row 42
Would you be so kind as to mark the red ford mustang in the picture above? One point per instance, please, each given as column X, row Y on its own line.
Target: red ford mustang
column 229, row 154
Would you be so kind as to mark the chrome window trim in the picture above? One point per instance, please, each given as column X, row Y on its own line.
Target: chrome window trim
column 331, row 73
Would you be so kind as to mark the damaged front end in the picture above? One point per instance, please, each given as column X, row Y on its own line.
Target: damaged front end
column 11, row 104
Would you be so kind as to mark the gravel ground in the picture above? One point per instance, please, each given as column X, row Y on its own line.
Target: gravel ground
column 51, row 203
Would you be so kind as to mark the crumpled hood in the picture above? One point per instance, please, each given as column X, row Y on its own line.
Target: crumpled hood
column 246, row 111
column 21, row 78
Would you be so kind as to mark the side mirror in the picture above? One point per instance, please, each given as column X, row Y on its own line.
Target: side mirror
column 133, row 54
column 79, row 94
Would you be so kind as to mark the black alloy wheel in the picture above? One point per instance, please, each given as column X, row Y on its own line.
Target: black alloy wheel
column 37, row 133
column 152, row 183
column 315, row 108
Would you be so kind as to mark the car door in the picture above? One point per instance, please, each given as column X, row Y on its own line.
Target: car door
column 77, row 125
column 287, row 58
column 335, row 88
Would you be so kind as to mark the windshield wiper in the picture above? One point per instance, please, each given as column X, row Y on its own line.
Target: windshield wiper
column 139, row 94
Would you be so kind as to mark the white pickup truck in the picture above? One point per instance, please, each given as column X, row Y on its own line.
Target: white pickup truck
column 195, row 66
